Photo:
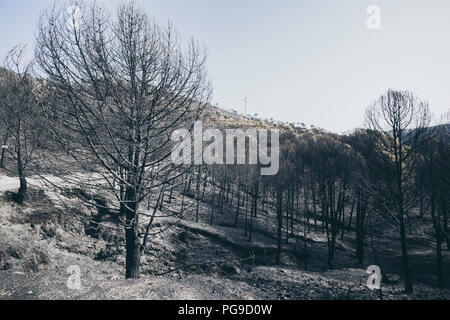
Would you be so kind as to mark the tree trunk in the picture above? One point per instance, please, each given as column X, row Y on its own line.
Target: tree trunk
column 359, row 231
column 253, row 209
column 398, row 149
column 2, row 160
column 280, row 223
column 439, row 268
column 213, row 205
column 403, row 239
column 405, row 262
column 246, row 213
column 133, row 253
column 446, row 229
column 171, row 191
column 314, row 205
column 439, row 236
column 238, row 207
column 351, row 214
column 5, row 141
column 23, row 181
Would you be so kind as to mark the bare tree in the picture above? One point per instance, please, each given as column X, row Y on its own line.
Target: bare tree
column 22, row 106
column 122, row 87
column 332, row 169
column 435, row 182
column 4, row 115
column 399, row 120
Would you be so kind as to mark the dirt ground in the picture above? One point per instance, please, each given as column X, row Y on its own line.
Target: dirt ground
column 39, row 241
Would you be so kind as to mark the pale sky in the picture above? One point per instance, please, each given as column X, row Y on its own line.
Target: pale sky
column 312, row 61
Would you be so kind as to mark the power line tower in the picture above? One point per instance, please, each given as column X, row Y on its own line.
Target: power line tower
column 245, row 105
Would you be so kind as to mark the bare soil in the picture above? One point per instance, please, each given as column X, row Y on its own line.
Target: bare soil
column 40, row 240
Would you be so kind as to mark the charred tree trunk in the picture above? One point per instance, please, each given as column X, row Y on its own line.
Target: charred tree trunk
column 213, row 204
column 238, row 207
column 246, row 212
column 351, row 214
column 171, row 191
column 21, row 194
column 280, row 223
column 439, row 266
column 405, row 262
column 253, row 209
column 439, row 237
column 359, row 230
column 133, row 253
column 5, row 141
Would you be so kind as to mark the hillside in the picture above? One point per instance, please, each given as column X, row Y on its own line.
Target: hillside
column 40, row 240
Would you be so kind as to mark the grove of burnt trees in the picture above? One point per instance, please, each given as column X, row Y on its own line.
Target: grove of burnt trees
column 344, row 184
column 433, row 178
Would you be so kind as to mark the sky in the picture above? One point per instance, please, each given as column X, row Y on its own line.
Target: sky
column 310, row 61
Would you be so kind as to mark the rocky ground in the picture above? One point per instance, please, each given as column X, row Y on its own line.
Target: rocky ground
column 39, row 241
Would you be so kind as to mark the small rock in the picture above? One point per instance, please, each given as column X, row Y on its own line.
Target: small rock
column 16, row 252
column 48, row 230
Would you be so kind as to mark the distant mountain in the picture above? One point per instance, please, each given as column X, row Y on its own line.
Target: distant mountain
column 443, row 131
column 217, row 117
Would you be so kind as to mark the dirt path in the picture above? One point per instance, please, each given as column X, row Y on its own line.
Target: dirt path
column 8, row 184
column 12, row 183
